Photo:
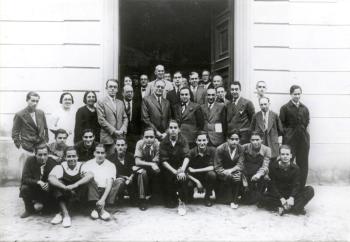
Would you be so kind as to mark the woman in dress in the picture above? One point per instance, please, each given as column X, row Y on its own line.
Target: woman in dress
column 86, row 117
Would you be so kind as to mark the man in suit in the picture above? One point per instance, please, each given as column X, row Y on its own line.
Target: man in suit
column 295, row 119
column 133, row 111
column 228, row 164
column 174, row 95
column 29, row 125
column 214, row 115
column 111, row 116
column 159, row 72
column 189, row 116
column 268, row 123
column 221, row 96
column 239, row 113
column 34, row 188
column 206, row 82
column 197, row 91
column 217, row 81
column 156, row 110
column 143, row 87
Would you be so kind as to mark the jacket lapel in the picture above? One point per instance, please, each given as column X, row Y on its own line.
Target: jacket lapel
column 270, row 121
column 260, row 120
column 111, row 105
column 30, row 120
column 156, row 103
column 212, row 111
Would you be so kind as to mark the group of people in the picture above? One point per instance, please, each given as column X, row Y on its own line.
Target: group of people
column 162, row 142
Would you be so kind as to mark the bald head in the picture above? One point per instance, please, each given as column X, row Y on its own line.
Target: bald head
column 128, row 92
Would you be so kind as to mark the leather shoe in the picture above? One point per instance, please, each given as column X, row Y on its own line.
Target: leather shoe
column 208, row 203
column 143, row 205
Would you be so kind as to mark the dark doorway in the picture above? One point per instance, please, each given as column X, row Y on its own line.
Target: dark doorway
column 175, row 33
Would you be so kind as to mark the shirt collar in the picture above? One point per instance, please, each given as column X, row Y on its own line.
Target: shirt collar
column 251, row 150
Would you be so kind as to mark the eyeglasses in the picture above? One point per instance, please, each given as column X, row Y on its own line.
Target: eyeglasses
column 149, row 137
column 71, row 156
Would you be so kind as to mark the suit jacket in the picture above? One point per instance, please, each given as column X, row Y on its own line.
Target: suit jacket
column 274, row 129
column 191, row 121
column 26, row 133
column 135, row 124
column 111, row 117
column 155, row 115
column 199, row 96
column 295, row 122
column 215, row 115
column 239, row 116
column 223, row 161
column 150, row 88
column 31, row 173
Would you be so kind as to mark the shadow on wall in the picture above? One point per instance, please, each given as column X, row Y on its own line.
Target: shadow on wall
column 10, row 168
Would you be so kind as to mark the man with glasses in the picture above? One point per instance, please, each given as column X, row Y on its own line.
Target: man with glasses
column 148, row 171
column 240, row 113
column 143, row 87
column 111, row 116
column 156, row 110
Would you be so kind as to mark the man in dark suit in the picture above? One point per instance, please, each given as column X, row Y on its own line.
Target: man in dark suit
column 111, row 116
column 156, row 110
column 173, row 96
column 34, row 184
column 268, row 123
column 239, row 113
column 214, row 115
column 295, row 119
column 133, row 111
column 198, row 92
column 206, row 82
column 29, row 125
column 189, row 116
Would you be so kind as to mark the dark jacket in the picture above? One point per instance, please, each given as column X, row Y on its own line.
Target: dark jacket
column 25, row 133
column 31, row 173
column 85, row 119
column 223, row 159
column 239, row 116
column 174, row 155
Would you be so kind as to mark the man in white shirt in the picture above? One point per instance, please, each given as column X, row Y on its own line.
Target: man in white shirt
column 101, row 189
column 68, row 184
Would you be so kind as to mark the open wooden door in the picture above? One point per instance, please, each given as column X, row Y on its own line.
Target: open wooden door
column 222, row 43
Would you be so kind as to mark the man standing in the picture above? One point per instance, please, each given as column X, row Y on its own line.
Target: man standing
column 159, row 72
column 174, row 95
column 133, row 111
column 101, row 188
column 85, row 149
column 284, row 193
column 201, row 166
column 174, row 156
column 268, row 123
column 29, row 127
column 125, row 164
column 217, row 81
column 256, row 166
column 189, row 116
column 156, row 110
column 68, row 184
column 260, row 92
column 147, row 159
column 239, row 113
column 143, row 87
column 221, row 96
column 198, row 92
column 34, row 188
column 214, row 116
column 206, row 82
column 229, row 165
column 111, row 116
column 295, row 119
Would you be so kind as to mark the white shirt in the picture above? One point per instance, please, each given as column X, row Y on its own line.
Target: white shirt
column 57, row 171
column 102, row 172
column 65, row 119
column 33, row 117
column 231, row 153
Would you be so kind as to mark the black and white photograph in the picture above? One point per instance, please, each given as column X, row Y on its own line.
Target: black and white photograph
column 174, row 120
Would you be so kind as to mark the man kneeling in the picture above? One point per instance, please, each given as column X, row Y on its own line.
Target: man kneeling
column 68, row 184
column 285, row 194
column 101, row 189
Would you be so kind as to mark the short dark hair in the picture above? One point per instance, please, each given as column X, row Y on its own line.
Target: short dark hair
column 177, row 72
column 268, row 99
column 185, row 88
column 87, row 131
column 173, row 121
column 293, row 88
column 69, row 148
column 287, row 147
column 87, row 93
column 100, row 146
column 40, row 147
column 202, row 132
column 120, row 138
column 236, row 83
column 149, row 129
column 258, row 133
column 112, row 80
column 60, row 131
column 232, row 132
column 31, row 94
column 64, row 94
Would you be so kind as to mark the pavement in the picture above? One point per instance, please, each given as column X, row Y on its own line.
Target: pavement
column 327, row 219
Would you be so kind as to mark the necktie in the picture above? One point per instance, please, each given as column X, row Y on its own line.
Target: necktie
column 148, row 154
column 265, row 122
column 210, row 106
column 127, row 109
column 159, row 101
column 183, row 107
